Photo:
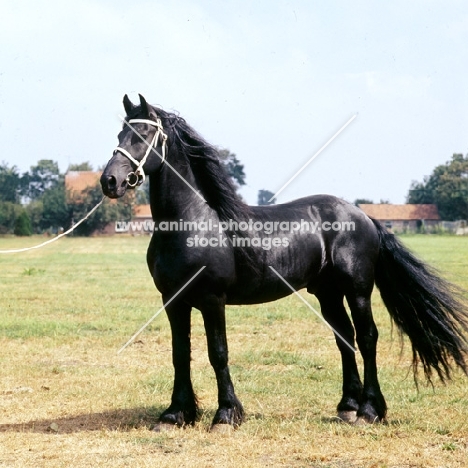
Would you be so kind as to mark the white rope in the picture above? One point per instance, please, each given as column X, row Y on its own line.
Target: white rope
column 55, row 238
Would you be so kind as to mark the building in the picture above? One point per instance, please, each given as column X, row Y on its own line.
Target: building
column 404, row 218
column 76, row 184
column 141, row 223
column 78, row 181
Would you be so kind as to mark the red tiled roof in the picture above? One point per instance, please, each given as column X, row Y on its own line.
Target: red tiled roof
column 77, row 181
column 406, row 212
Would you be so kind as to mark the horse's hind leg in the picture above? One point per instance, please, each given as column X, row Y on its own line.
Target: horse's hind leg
column 334, row 312
column 373, row 407
column 354, row 272
column 183, row 408
column 230, row 411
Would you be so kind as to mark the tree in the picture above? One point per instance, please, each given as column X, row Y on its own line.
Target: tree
column 43, row 176
column 84, row 166
column 10, row 190
column 56, row 213
column 9, row 212
column 10, row 183
column 233, row 167
column 264, row 197
column 48, row 205
column 23, row 225
column 447, row 187
column 35, row 211
column 107, row 212
column 363, row 201
column 419, row 194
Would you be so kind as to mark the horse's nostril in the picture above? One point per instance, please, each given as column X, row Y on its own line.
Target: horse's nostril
column 111, row 182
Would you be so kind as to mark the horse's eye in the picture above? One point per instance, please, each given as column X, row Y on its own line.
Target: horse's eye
column 137, row 139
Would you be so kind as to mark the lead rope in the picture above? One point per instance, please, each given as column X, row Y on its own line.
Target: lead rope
column 138, row 171
column 59, row 236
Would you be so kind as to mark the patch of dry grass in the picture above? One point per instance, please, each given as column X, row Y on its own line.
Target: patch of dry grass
column 67, row 399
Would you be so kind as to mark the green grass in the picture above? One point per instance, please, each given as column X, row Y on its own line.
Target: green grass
column 75, row 286
column 66, row 309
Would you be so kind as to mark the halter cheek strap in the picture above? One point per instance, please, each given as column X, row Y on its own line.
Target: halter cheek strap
column 137, row 177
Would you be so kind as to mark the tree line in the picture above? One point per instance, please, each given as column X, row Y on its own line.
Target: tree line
column 37, row 202
column 446, row 187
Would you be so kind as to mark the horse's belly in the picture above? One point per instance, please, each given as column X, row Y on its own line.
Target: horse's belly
column 277, row 277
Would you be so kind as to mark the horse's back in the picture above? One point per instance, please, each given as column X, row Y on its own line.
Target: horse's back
column 301, row 241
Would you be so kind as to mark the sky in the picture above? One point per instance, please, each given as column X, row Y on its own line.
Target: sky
column 272, row 81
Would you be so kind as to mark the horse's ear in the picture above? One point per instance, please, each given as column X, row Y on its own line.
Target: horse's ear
column 128, row 105
column 144, row 106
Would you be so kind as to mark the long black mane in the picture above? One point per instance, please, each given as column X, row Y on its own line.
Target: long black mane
column 210, row 173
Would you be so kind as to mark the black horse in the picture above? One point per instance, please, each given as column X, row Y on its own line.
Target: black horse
column 257, row 254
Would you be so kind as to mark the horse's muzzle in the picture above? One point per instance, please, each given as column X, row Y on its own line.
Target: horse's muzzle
column 111, row 188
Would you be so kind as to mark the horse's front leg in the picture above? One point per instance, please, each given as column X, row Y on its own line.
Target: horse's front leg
column 183, row 409
column 230, row 409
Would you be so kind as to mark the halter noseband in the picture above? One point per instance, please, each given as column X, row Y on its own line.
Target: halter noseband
column 137, row 177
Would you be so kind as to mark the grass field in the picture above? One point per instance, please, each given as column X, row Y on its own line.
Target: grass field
column 67, row 399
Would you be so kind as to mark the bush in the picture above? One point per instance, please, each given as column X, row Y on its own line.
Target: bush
column 23, row 225
column 9, row 212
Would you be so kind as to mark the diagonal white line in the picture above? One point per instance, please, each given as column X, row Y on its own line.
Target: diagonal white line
column 312, row 309
column 161, row 309
column 154, row 150
column 313, row 157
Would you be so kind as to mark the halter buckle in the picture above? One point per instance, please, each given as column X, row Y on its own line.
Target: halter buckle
column 135, row 179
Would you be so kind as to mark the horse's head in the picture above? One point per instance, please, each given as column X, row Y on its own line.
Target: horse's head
column 141, row 150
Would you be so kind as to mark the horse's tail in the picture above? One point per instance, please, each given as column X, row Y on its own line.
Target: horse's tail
column 424, row 306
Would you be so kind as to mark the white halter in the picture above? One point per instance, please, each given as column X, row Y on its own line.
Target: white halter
column 137, row 177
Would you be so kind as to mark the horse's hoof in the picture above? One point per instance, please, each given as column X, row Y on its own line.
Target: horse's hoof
column 225, row 429
column 348, row 417
column 165, row 427
column 363, row 421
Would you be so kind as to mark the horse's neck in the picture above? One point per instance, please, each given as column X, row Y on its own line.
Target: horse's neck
column 176, row 195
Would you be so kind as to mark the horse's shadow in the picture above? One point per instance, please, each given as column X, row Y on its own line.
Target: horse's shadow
column 112, row 420
column 122, row 420
column 385, row 423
